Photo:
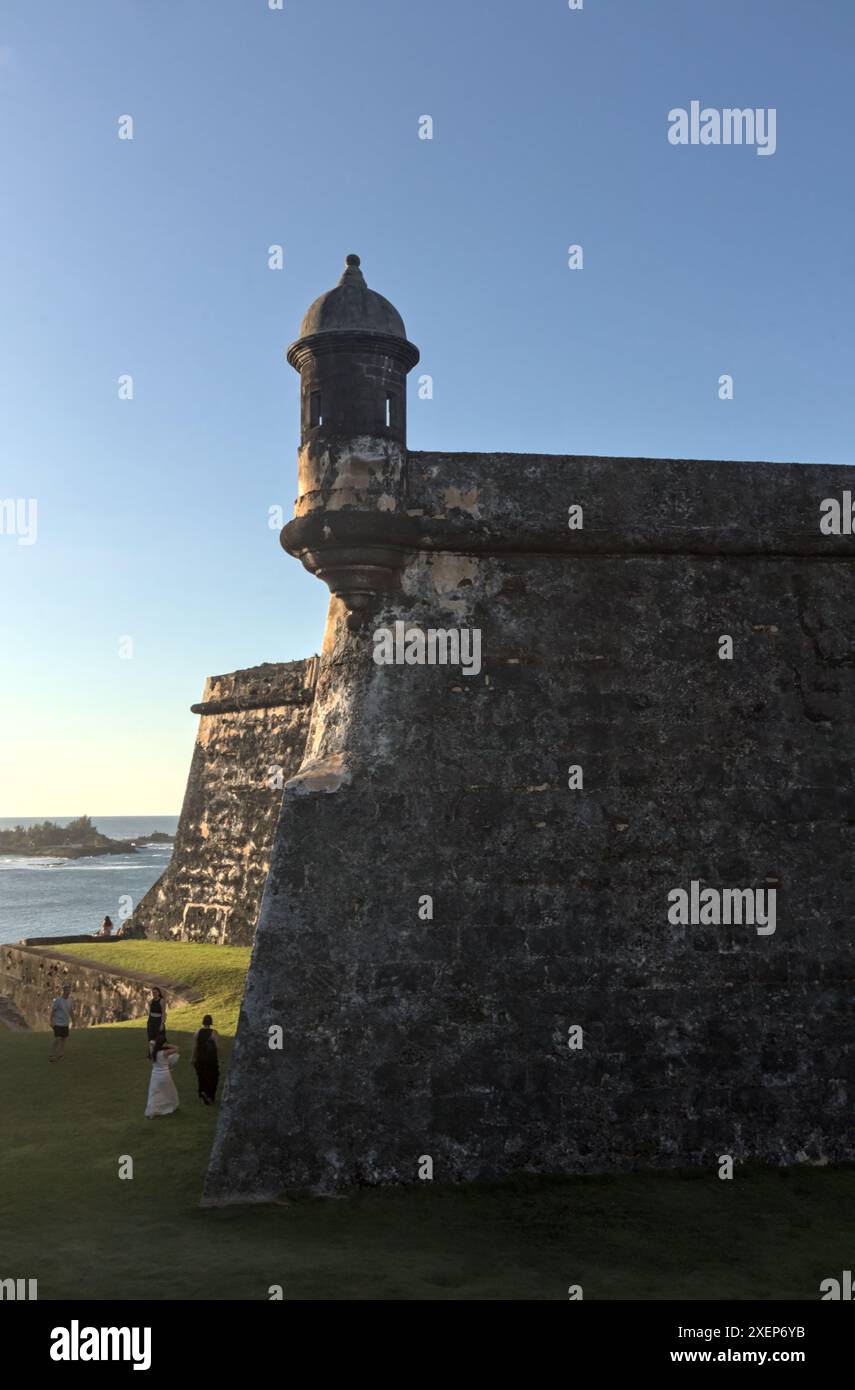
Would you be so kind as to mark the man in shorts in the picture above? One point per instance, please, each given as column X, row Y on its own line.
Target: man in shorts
column 60, row 1018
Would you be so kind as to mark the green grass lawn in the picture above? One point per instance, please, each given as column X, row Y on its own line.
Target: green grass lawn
column 67, row 1220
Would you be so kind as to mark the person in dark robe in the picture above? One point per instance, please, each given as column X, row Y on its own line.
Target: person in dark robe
column 206, row 1060
column 156, row 1023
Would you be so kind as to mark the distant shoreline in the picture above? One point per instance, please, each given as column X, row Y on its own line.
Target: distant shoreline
column 17, row 844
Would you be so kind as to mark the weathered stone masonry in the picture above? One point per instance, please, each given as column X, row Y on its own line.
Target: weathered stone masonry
column 252, row 723
column 600, row 648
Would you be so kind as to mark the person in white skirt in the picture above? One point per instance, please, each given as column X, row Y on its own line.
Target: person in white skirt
column 162, row 1095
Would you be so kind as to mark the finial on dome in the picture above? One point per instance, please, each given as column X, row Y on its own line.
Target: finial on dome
column 352, row 275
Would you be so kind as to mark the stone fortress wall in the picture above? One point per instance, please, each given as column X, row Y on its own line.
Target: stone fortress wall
column 449, row 1035
column 252, row 729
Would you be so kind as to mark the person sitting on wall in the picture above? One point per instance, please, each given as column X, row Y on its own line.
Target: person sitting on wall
column 156, row 1018
column 106, row 927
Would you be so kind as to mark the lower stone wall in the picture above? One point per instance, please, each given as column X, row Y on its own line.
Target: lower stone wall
column 251, row 735
column 31, row 977
column 65, row 940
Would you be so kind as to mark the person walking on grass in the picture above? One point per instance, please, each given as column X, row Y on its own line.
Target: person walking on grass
column 60, row 1021
column 156, row 1018
column 162, row 1095
column 205, row 1060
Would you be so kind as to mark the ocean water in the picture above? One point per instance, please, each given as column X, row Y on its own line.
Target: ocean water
column 52, row 897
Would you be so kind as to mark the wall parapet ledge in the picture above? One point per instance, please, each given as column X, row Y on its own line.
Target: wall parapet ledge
column 236, row 705
column 482, row 503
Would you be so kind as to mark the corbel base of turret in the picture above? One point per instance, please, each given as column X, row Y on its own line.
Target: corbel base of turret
column 360, row 569
column 359, row 580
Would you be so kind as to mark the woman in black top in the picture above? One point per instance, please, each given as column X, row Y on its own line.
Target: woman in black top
column 156, row 1017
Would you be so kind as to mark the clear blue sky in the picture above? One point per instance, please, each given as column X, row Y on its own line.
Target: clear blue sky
column 300, row 127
